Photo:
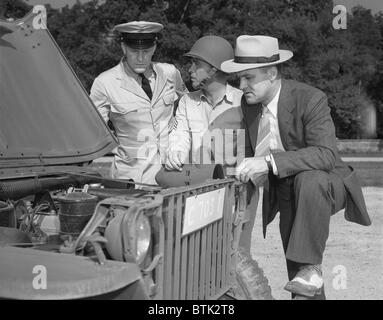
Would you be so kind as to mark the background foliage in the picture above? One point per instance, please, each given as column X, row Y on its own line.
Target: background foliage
column 346, row 64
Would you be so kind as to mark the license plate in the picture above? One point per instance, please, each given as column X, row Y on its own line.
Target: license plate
column 203, row 209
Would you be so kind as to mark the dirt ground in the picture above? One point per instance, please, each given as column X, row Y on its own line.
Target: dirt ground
column 353, row 260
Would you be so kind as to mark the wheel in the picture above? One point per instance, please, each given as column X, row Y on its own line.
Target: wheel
column 251, row 283
column 321, row 296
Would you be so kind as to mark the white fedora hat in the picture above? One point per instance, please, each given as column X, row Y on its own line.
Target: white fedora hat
column 255, row 52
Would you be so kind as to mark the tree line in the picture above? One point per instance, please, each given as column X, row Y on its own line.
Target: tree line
column 347, row 64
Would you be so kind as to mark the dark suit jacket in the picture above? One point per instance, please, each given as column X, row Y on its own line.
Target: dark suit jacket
column 308, row 136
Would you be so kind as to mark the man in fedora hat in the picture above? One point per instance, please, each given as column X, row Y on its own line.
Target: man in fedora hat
column 137, row 97
column 291, row 139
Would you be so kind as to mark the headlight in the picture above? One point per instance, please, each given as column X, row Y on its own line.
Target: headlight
column 143, row 232
column 128, row 235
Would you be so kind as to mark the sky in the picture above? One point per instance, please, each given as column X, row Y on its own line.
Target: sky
column 54, row 3
column 374, row 5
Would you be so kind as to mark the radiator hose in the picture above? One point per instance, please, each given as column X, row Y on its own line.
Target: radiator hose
column 20, row 188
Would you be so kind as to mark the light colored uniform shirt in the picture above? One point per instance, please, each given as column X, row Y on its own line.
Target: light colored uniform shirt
column 195, row 115
column 149, row 74
column 141, row 124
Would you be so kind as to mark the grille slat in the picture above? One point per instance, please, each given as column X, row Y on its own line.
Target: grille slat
column 229, row 223
column 214, row 260
column 190, row 273
column 177, row 251
column 224, row 244
column 219, row 253
column 169, row 217
column 208, row 261
column 202, row 265
column 197, row 251
column 184, row 265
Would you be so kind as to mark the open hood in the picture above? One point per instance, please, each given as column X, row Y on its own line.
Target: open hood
column 46, row 116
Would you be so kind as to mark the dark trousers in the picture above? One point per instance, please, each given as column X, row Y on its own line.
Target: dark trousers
column 306, row 203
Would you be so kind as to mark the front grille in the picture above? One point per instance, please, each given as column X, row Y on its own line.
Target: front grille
column 199, row 265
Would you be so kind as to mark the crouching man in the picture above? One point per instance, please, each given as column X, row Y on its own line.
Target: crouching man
column 292, row 142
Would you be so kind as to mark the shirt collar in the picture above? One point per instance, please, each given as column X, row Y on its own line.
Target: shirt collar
column 149, row 72
column 228, row 94
column 273, row 104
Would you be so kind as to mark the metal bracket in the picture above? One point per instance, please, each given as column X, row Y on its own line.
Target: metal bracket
column 155, row 262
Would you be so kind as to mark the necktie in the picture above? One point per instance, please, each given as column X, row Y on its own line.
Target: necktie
column 263, row 143
column 264, row 134
column 146, row 86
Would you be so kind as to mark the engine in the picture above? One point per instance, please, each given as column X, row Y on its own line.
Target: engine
column 51, row 213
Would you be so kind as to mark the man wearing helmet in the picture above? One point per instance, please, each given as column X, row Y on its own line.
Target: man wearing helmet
column 214, row 106
column 137, row 96
column 213, row 111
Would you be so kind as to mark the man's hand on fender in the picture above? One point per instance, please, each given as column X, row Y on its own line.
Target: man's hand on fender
column 175, row 160
column 251, row 168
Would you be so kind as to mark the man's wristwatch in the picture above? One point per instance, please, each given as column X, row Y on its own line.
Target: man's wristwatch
column 268, row 161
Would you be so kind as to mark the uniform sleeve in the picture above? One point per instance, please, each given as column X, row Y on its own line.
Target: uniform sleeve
column 100, row 99
column 180, row 85
column 179, row 138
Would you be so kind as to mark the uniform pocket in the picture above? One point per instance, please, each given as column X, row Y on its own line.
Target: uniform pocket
column 168, row 100
column 124, row 107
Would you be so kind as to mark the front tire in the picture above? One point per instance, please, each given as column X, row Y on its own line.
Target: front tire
column 251, row 283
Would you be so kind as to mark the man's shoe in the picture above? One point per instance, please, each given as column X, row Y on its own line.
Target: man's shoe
column 308, row 282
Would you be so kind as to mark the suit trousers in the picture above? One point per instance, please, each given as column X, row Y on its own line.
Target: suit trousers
column 306, row 202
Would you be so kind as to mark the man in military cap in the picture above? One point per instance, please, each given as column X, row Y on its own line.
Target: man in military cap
column 137, row 97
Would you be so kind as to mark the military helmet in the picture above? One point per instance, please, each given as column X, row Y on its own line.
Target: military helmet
column 212, row 49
